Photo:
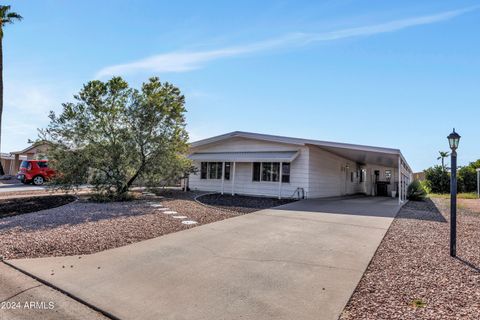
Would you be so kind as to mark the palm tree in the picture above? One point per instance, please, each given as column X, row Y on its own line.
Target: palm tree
column 443, row 155
column 6, row 17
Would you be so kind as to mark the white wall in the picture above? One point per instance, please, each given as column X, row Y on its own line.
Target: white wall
column 329, row 175
column 243, row 173
column 371, row 177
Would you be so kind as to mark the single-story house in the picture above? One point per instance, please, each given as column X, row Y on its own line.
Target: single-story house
column 265, row 165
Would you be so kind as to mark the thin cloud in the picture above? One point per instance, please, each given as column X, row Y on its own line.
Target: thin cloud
column 187, row 61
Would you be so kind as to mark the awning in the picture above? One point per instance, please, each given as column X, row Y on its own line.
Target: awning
column 274, row 156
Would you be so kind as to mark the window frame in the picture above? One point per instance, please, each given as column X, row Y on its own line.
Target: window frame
column 274, row 175
column 213, row 170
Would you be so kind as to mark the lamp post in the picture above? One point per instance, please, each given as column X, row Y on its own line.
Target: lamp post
column 453, row 140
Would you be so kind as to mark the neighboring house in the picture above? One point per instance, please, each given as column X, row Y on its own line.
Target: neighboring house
column 8, row 163
column 11, row 162
column 266, row 165
column 420, row 176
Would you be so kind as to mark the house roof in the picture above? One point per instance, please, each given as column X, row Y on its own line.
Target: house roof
column 30, row 148
column 359, row 153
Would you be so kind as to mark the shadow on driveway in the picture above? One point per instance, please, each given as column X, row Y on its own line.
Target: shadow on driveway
column 369, row 206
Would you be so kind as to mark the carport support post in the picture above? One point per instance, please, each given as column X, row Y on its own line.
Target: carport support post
column 478, row 182
column 223, row 175
column 233, row 178
column 399, row 180
column 280, row 181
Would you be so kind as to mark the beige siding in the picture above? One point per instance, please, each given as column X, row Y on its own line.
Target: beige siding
column 243, row 172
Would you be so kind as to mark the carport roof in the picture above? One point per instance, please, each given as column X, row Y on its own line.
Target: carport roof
column 361, row 154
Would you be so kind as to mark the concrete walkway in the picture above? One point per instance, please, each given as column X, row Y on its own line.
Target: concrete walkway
column 299, row 261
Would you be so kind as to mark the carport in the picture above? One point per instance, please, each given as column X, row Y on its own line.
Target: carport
column 370, row 159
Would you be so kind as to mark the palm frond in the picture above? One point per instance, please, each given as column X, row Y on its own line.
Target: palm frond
column 4, row 10
column 14, row 16
column 8, row 17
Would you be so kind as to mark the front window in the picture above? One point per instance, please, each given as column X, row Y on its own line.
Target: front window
column 285, row 172
column 270, row 172
column 24, row 164
column 213, row 170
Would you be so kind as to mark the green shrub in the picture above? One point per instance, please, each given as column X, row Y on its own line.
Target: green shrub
column 416, row 191
column 438, row 179
column 425, row 186
column 467, row 177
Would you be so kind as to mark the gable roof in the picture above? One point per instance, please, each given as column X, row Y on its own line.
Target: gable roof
column 32, row 147
column 355, row 152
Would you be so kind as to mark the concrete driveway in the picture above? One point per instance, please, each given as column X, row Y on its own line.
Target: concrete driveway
column 299, row 261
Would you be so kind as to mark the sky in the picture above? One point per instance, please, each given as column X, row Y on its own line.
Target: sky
column 398, row 74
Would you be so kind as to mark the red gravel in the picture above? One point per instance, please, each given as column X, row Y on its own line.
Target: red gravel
column 84, row 227
column 413, row 264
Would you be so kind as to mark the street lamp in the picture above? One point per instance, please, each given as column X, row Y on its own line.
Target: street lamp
column 453, row 140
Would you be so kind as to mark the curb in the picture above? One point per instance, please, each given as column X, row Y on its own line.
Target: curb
column 68, row 294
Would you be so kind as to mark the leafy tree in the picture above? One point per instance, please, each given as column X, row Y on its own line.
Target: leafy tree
column 438, row 179
column 467, row 176
column 6, row 17
column 113, row 135
column 416, row 191
column 443, row 155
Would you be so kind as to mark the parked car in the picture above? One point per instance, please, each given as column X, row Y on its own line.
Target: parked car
column 35, row 171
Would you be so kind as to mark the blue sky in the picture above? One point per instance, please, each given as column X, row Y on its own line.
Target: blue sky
column 397, row 74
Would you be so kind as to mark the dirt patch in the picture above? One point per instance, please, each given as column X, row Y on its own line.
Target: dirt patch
column 241, row 204
column 471, row 205
column 15, row 206
column 412, row 275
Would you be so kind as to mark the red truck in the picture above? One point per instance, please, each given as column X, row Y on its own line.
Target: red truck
column 35, row 171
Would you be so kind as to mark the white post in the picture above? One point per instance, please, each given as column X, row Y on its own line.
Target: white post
column 399, row 180
column 223, row 175
column 233, row 179
column 280, row 181
column 478, row 182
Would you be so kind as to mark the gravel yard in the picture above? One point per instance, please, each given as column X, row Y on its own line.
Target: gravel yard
column 243, row 204
column 412, row 275
column 84, row 227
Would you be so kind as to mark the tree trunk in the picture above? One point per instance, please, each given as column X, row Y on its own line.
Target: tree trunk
column 129, row 183
column 2, row 172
